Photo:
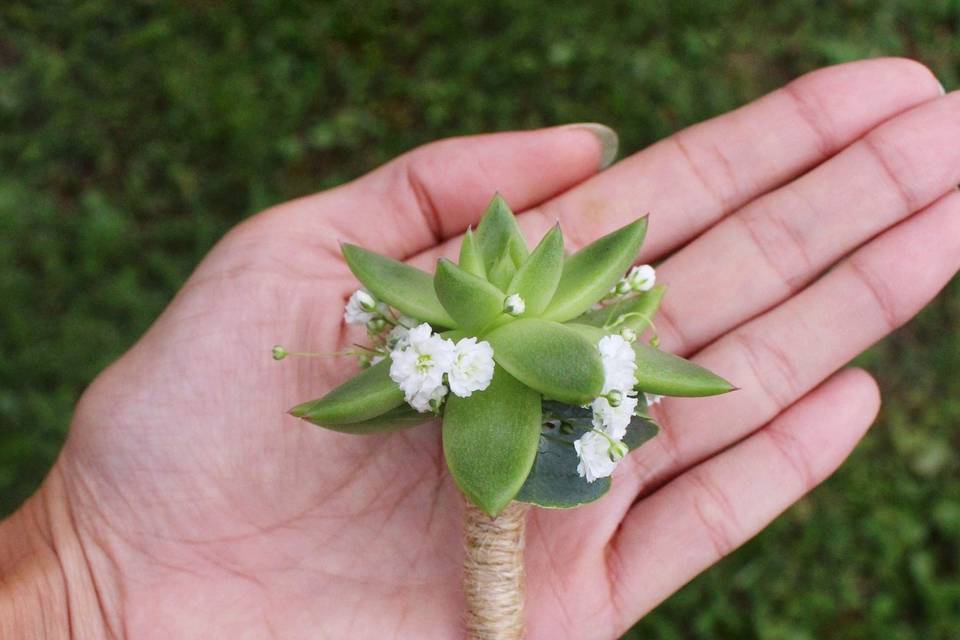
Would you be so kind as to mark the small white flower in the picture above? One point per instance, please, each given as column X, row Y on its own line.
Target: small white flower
column 418, row 368
column 652, row 399
column 619, row 364
column 642, row 278
column 613, row 420
column 514, row 304
column 424, row 402
column 397, row 338
column 472, row 368
column 361, row 308
column 596, row 460
column 377, row 359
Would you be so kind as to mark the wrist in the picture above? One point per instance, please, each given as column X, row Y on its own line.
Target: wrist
column 47, row 586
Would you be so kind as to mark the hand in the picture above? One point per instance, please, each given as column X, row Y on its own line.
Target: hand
column 187, row 504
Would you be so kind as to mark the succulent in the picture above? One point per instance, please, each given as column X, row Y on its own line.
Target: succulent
column 543, row 313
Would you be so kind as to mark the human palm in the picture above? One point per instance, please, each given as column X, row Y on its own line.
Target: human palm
column 206, row 511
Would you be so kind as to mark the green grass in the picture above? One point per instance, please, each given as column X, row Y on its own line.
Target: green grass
column 134, row 134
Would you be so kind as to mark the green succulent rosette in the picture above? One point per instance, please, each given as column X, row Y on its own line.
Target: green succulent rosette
column 542, row 315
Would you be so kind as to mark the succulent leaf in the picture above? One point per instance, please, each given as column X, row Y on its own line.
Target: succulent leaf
column 669, row 375
column 503, row 270
column 470, row 300
column 537, row 278
column 497, row 231
column 490, row 440
column 369, row 394
column 471, row 258
column 589, row 273
column 402, row 417
column 401, row 286
column 554, row 359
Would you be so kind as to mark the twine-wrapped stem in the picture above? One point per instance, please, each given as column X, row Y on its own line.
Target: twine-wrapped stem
column 493, row 572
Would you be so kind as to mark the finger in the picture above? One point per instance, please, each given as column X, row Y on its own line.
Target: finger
column 778, row 357
column 692, row 179
column 713, row 508
column 436, row 190
column 778, row 243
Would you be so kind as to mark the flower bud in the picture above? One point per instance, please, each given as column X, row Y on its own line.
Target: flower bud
column 376, row 325
column 279, row 353
column 628, row 334
column 367, row 301
column 618, row 450
column 514, row 304
column 623, row 287
column 642, row 278
column 615, row 397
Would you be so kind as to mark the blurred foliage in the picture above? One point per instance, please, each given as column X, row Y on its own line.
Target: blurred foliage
column 135, row 133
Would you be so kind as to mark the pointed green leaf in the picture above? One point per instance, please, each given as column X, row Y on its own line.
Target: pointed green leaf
column 557, row 361
column 401, row 286
column 665, row 374
column 553, row 482
column 589, row 273
column 536, row 279
column 368, row 394
column 490, row 440
column 494, row 233
column 471, row 301
column 503, row 270
column 402, row 417
column 471, row 258
column 635, row 312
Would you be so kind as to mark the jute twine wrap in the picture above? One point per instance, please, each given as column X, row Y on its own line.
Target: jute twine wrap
column 493, row 572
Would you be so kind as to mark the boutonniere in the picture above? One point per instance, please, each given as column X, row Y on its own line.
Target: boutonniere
column 536, row 362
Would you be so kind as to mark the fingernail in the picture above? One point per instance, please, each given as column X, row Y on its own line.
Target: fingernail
column 943, row 91
column 607, row 137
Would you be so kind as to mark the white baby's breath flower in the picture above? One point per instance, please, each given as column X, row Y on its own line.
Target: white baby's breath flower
column 642, row 278
column 596, row 460
column 472, row 368
column 613, row 420
column 418, row 368
column 361, row 308
column 514, row 304
column 424, row 402
column 619, row 364
column 397, row 338
column 652, row 399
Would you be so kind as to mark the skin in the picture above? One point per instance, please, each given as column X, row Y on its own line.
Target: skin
column 187, row 504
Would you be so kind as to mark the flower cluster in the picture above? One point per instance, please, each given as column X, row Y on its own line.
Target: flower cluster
column 426, row 366
column 601, row 448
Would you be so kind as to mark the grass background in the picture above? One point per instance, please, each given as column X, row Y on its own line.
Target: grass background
column 135, row 133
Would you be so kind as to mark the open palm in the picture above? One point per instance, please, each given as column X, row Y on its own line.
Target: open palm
column 205, row 511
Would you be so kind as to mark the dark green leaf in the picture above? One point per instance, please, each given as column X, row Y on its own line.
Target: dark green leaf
column 536, row 279
column 498, row 231
column 557, row 361
column 401, row 286
column 635, row 312
column 369, row 394
column 490, row 440
column 590, row 273
column 472, row 302
column 471, row 258
column 553, row 482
